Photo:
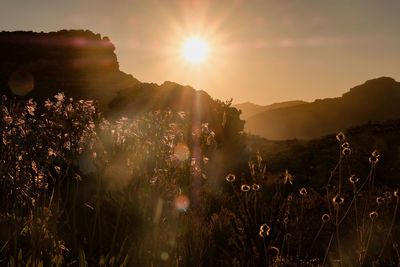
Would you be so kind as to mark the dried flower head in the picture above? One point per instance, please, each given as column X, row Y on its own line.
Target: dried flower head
column 380, row 200
column 346, row 145
column 373, row 215
column 230, row 178
column 373, row 160
column 255, row 187
column 303, row 191
column 337, row 200
column 375, row 153
column 340, row 137
column 353, row 179
column 290, row 198
column 325, row 218
column 245, row 188
column 346, row 151
column 265, row 228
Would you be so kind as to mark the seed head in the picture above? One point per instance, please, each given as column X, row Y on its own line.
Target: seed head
column 375, row 153
column 230, row 178
column 346, row 151
column 255, row 187
column 373, row 215
column 265, row 228
column 337, row 200
column 303, row 191
column 380, row 200
column 340, row 137
column 346, row 145
column 373, row 160
column 353, row 179
column 245, row 188
column 325, row 218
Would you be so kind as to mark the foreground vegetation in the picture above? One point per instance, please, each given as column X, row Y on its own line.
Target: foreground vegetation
column 78, row 190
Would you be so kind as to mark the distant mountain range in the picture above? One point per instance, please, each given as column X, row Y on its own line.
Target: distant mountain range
column 250, row 109
column 375, row 100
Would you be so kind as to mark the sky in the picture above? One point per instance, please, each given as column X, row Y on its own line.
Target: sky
column 261, row 51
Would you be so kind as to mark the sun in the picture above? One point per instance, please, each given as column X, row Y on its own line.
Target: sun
column 195, row 50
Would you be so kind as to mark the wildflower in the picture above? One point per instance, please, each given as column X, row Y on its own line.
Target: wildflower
column 325, row 218
column 346, row 151
column 303, row 191
column 337, row 200
column 346, row 145
column 245, row 188
column 380, row 200
column 288, row 177
column 30, row 107
column 265, row 229
column 375, row 153
column 373, row 160
column 373, row 215
column 340, row 137
column 230, row 177
column 59, row 97
column 354, row 179
column 255, row 187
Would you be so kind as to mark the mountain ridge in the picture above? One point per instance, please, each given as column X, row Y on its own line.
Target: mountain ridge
column 374, row 100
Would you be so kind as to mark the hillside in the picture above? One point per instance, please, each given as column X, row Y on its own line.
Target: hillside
column 375, row 100
column 249, row 109
column 310, row 161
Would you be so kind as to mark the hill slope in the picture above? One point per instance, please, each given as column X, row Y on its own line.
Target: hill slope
column 375, row 100
column 249, row 109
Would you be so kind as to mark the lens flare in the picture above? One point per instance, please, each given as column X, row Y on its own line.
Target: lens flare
column 182, row 203
column 181, row 152
column 21, row 83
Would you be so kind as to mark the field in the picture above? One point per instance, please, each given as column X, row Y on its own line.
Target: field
column 161, row 189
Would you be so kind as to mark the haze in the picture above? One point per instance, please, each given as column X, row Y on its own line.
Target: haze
column 260, row 51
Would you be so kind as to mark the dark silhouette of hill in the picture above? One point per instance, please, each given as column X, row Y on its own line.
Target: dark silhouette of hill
column 375, row 100
column 80, row 63
column 311, row 161
column 249, row 109
column 84, row 66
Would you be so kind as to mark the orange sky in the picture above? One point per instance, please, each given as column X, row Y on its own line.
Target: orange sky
column 261, row 51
